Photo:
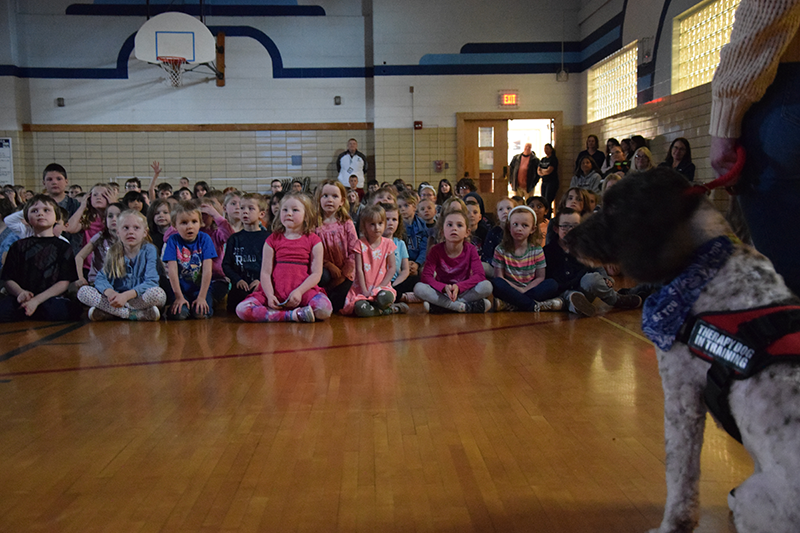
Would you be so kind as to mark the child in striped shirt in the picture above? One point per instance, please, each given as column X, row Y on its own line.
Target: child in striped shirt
column 519, row 266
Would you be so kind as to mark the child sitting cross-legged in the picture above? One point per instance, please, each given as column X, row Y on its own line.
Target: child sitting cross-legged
column 243, row 251
column 39, row 269
column 127, row 285
column 519, row 266
column 291, row 268
column 453, row 278
column 372, row 293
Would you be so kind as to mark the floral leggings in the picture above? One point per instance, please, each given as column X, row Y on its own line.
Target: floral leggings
column 253, row 309
column 152, row 297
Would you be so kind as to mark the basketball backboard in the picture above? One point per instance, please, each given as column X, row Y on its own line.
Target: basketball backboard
column 177, row 35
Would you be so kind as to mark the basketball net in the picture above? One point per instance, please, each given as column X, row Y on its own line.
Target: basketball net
column 174, row 67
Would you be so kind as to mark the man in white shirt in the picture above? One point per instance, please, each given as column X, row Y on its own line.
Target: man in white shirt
column 351, row 162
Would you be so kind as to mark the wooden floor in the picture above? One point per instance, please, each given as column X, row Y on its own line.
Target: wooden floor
column 499, row 422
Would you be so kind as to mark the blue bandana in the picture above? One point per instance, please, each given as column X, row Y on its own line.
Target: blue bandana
column 665, row 311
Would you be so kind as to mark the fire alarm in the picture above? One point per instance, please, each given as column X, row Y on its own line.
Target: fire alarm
column 417, row 124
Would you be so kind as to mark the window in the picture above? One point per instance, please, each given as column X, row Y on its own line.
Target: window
column 697, row 37
column 612, row 84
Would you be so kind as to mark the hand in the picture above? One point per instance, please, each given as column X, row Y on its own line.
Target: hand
column 272, row 302
column 208, row 209
column 451, row 291
column 413, row 268
column 242, row 285
column 116, row 299
column 24, row 296
column 81, row 282
column 110, row 195
column 156, row 168
column 254, row 285
column 200, row 306
column 30, row 306
column 293, row 300
column 178, row 304
column 722, row 154
column 609, row 282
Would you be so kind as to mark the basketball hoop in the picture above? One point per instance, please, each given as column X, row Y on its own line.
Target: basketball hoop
column 174, row 67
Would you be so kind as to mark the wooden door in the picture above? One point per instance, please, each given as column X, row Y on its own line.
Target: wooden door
column 485, row 154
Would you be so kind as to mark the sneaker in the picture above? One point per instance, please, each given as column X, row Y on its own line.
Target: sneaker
column 553, row 304
column 396, row 309
column 501, row 306
column 434, row 309
column 628, row 301
column 410, row 298
column 478, row 306
column 305, row 314
column 581, row 304
column 96, row 315
column 151, row 314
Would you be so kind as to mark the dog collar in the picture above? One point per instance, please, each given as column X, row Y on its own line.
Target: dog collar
column 665, row 312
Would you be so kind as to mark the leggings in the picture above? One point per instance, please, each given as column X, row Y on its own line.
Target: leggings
column 152, row 297
column 431, row 295
column 252, row 309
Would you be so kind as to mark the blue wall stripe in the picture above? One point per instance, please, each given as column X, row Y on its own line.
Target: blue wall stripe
column 474, row 59
column 129, row 10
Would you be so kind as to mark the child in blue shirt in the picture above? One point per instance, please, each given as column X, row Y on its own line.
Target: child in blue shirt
column 188, row 256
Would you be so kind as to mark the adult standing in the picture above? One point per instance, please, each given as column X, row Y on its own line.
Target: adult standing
column 592, row 149
column 548, row 171
column 679, row 157
column 756, row 103
column 351, row 162
column 522, row 174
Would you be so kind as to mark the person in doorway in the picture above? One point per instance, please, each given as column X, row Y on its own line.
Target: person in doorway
column 522, row 172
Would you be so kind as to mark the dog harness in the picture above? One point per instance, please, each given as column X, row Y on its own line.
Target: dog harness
column 739, row 344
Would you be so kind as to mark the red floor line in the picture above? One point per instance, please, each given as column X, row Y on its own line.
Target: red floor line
column 276, row 352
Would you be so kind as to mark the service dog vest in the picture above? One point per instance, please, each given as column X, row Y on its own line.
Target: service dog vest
column 739, row 344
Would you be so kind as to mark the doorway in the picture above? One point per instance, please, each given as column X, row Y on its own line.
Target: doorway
column 488, row 141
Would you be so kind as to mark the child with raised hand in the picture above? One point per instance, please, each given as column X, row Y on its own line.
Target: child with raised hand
column 290, row 270
column 89, row 219
column 520, row 266
column 395, row 230
column 452, row 278
column 158, row 222
column 188, row 255
column 231, row 206
column 39, row 269
column 127, row 285
column 243, row 251
column 339, row 239
column 372, row 293
column 502, row 208
column 98, row 247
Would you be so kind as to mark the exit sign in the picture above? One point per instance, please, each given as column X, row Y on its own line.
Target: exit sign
column 508, row 99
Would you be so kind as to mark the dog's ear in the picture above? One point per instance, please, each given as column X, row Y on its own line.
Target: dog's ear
column 590, row 242
column 647, row 217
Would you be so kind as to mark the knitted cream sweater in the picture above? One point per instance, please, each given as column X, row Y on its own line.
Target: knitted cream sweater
column 761, row 34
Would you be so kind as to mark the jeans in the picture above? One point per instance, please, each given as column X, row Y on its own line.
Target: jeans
column 770, row 196
column 524, row 301
column 55, row 309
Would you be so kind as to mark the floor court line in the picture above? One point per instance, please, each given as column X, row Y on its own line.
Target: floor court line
column 44, row 340
column 257, row 354
column 46, row 326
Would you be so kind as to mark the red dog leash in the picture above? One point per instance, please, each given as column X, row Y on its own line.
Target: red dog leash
column 728, row 180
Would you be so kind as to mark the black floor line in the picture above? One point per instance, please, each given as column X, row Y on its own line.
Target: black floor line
column 44, row 340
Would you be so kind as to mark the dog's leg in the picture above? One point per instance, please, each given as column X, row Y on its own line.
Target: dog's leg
column 684, row 423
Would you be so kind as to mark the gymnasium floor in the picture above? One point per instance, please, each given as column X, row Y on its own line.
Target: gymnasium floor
column 499, row 422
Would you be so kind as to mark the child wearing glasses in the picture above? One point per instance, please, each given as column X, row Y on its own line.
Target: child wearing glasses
column 578, row 284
